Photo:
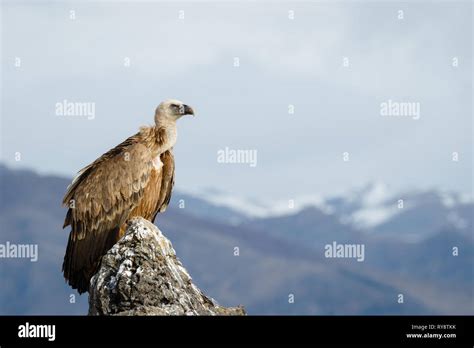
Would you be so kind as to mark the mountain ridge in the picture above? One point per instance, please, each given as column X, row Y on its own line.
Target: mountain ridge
column 267, row 267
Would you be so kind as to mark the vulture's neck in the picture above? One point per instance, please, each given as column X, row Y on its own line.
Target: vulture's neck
column 161, row 137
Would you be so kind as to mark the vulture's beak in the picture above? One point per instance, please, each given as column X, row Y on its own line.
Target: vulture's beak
column 188, row 110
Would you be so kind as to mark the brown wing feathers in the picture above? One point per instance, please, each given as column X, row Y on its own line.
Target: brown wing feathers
column 120, row 184
column 167, row 159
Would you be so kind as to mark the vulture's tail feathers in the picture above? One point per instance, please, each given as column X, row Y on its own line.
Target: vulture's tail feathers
column 83, row 256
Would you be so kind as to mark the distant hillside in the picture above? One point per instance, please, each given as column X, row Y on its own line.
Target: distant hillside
column 278, row 258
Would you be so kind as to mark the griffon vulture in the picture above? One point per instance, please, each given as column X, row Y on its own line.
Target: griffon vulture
column 133, row 179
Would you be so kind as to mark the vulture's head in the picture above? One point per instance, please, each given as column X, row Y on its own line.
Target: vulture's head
column 171, row 110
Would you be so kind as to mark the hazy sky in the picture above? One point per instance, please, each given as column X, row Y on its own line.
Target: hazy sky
column 283, row 61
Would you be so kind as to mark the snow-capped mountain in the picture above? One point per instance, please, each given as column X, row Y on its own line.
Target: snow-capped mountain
column 279, row 253
column 260, row 208
column 373, row 208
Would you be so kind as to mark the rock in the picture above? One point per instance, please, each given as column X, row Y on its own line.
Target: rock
column 141, row 275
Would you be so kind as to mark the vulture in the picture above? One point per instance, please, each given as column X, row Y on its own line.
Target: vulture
column 135, row 178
